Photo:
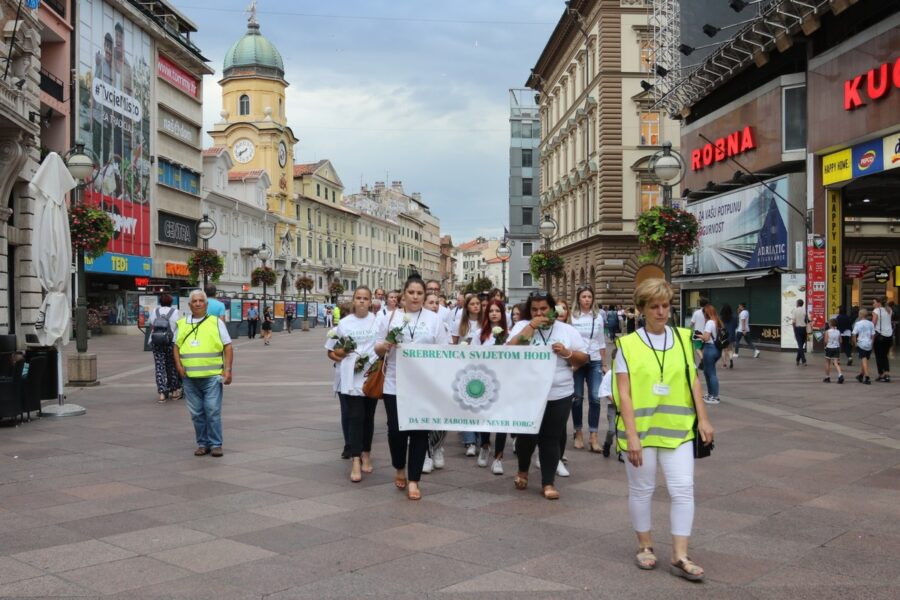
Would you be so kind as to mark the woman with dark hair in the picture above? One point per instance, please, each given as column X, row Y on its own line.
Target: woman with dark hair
column 493, row 331
column 267, row 326
column 589, row 323
column 422, row 326
column 537, row 329
column 162, row 322
column 730, row 325
column 711, row 353
column 884, row 337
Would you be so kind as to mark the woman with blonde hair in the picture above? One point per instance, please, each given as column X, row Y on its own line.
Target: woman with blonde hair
column 658, row 397
column 468, row 321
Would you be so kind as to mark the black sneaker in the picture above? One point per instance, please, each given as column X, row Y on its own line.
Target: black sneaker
column 859, row 377
column 730, row 363
column 849, row 362
column 867, row 381
column 886, row 379
column 826, row 380
column 346, row 453
column 841, row 379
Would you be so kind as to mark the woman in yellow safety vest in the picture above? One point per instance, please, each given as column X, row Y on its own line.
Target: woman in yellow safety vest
column 658, row 398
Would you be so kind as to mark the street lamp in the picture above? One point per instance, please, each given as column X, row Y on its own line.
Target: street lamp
column 667, row 168
column 81, row 163
column 264, row 253
column 206, row 229
column 547, row 229
column 503, row 253
column 303, row 264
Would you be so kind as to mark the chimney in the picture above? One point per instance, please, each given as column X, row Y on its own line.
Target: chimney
column 379, row 186
column 397, row 186
column 417, row 196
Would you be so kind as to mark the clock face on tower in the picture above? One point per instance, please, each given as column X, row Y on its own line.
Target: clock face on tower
column 282, row 154
column 244, row 150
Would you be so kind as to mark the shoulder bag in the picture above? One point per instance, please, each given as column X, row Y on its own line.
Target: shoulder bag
column 373, row 387
column 701, row 450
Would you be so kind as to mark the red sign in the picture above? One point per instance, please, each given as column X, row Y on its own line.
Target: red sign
column 131, row 221
column 878, row 83
column 723, row 148
column 177, row 76
column 141, row 282
column 855, row 270
column 816, row 298
column 177, row 269
column 245, row 287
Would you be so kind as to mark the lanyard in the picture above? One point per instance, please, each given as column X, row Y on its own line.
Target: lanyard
column 412, row 332
column 661, row 363
column 540, row 333
column 196, row 327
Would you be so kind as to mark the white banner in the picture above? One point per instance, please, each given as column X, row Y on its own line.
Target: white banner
column 473, row 388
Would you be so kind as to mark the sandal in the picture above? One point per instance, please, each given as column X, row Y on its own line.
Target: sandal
column 414, row 494
column 367, row 463
column 550, row 493
column 687, row 569
column 177, row 394
column 400, row 482
column 355, row 471
column 520, row 481
column 161, row 399
column 645, row 559
column 201, row 451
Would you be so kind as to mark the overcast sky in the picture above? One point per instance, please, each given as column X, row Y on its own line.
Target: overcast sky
column 409, row 90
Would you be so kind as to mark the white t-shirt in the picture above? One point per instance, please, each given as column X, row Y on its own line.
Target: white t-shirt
column 657, row 341
column 223, row 330
column 884, row 322
column 563, row 381
column 443, row 312
column 744, row 320
column 606, row 384
column 163, row 311
column 591, row 329
column 865, row 334
column 452, row 317
column 698, row 320
column 421, row 327
column 832, row 338
column 473, row 327
column 476, row 338
column 363, row 333
column 798, row 317
column 712, row 330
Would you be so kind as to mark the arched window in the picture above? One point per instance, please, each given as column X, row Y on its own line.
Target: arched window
column 244, row 105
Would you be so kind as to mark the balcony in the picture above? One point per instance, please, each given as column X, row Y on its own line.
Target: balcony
column 58, row 6
column 52, row 85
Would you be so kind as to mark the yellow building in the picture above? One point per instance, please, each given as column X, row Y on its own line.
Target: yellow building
column 255, row 131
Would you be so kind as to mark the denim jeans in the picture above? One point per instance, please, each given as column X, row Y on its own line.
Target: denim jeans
column 711, row 355
column 746, row 337
column 470, row 437
column 203, row 396
column 593, row 373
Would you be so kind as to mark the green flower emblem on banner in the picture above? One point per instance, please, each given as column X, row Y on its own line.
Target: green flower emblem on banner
column 475, row 388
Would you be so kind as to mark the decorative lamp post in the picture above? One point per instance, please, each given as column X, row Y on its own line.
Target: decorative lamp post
column 206, row 229
column 667, row 168
column 547, row 229
column 264, row 253
column 81, row 163
column 503, row 253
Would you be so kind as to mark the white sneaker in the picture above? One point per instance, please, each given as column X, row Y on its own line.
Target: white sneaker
column 428, row 465
column 712, row 400
column 756, row 354
column 483, row 457
column 537, row 460
column 497, row 467
column 470, row 450
column 735, row 356
column 561, row 469
column 439, row 458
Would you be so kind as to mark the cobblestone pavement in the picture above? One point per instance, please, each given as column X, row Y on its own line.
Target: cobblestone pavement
column 800, row 500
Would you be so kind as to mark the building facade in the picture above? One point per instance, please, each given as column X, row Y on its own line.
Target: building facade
column 524, row 186
column 448, row 266
column 477, row 259
column 376, row 252
column 598, row 130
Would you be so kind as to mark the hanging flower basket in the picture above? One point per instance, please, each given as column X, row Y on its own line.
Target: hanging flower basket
column 664, row 229
column 262, row 276
column 335, row 289
column 205, row 261
column 304, row 283
column 547, row 262
column 91, row 229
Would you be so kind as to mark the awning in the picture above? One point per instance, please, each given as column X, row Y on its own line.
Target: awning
column 725, row 280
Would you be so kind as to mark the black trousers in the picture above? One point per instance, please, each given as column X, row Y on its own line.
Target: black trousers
column 400, row 442
column 499, row 441
column 800, row 336
column 553, row 427
column 882, row 347
column 361, row 419
column 251, row 328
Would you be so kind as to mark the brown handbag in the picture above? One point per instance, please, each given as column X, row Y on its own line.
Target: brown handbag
column 373, row 387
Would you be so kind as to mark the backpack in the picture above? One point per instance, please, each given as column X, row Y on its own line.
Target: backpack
column 722, row 340
column 160, row 332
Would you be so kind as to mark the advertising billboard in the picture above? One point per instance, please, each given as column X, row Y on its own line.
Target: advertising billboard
column 746, row 229
column 113, row 120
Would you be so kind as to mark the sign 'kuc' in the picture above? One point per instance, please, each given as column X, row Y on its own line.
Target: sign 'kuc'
column 877, row 85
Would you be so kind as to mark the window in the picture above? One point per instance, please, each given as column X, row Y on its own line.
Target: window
column 320, row 250
column 309, row 251
column 527, row 280
column 527, row 215
column 333, row 195
column 526, row 157
column 516, row 130
column 309, row 217
column 646, row 55
column 649, row 129
column 649, row 196
column 527, row 184
column 794, row 126
column 318, row 219
column 244, row 105
column 526, row 129
column 318, row 190
column 527, row 248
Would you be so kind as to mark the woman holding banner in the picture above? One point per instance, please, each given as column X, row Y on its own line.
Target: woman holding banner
column 538, row 328
column 493, row 332
column 411, row 324
column 659, row 397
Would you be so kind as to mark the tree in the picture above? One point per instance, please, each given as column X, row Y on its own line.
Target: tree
column 482, row 284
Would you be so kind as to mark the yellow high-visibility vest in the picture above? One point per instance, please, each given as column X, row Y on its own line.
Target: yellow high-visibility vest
column 200, row 347
column 661, row 421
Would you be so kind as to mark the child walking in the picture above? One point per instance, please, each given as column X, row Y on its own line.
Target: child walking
column 833, row 351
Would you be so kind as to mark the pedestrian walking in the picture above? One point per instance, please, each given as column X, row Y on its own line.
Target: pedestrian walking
column 267, row 325
column 163, row 322
column 833, row 351
column 884, row 338
column 329, row 317
column 630, row 320
column 336, row 314
column 711, row 353
column 863, row 336
column 204, row 357
column 356, row 331
column 657, row 409
column 571, row 352
column 729, row 323
column 743, row 331
column 288, row 317
column 378, row 300
column 252, row 321
column 800, row 320
column 216, row 307
column 410, row 325
column 612, row 322
column 845, row 326
column 492, row 331
column 590, row 324
column 466, row 326
column 434, row 458
column 698, row 324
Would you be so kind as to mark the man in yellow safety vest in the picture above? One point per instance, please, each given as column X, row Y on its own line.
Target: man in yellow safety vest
column 203, row 357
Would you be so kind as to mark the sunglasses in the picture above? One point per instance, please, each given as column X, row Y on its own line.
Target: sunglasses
column 539, row 295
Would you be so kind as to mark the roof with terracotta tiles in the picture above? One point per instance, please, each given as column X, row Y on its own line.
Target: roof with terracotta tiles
column 307, row 168
column 242, row 175
column 214, row 151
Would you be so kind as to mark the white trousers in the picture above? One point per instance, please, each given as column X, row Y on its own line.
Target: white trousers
column 678, row 469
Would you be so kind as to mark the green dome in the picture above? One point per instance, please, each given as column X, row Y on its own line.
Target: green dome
column 253, row 51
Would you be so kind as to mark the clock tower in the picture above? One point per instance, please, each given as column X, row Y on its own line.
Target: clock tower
column 254, row 129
